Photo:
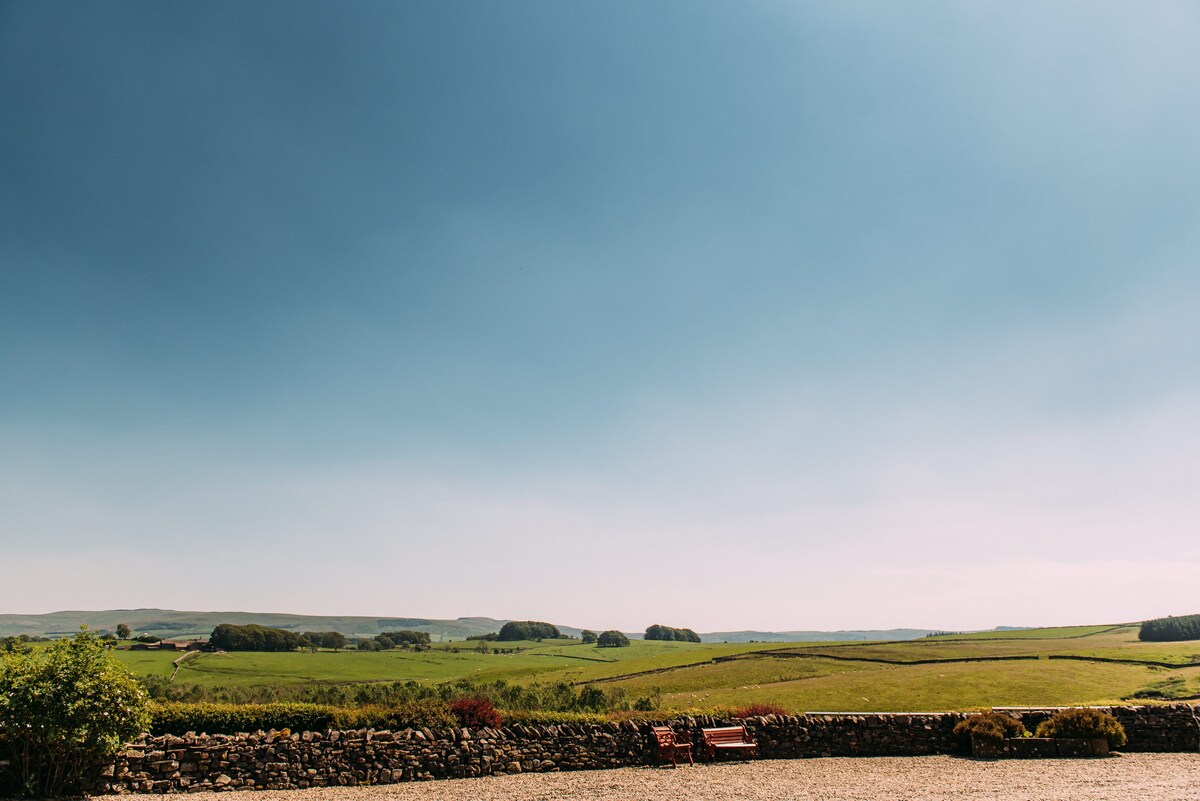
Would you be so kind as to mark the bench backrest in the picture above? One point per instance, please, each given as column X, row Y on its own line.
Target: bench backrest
column 726, row 734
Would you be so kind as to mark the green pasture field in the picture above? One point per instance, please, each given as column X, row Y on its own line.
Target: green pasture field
column 1049, row 633
column 642, row 655
column 351, row 667
column 799, row 677
column 963, row 686
column 149, row 663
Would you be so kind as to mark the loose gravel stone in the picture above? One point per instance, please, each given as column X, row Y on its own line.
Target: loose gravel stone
column 1124, row 777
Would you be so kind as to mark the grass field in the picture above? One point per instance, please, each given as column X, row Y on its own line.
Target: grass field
column 801, row 677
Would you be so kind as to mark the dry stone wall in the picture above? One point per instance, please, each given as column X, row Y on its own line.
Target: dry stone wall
column 339, row 758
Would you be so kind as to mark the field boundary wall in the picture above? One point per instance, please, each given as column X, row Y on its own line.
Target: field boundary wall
column 272, row 761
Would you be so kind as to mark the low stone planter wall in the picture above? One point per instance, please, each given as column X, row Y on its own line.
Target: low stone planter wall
column 344, row 758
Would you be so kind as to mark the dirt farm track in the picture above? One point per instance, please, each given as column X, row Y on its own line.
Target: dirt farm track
column 1125, row 777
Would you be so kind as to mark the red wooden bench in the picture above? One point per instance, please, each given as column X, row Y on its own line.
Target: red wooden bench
column 670, row 744
column 730, row 739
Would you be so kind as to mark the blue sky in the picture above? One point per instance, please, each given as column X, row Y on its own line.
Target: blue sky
column 579, row 311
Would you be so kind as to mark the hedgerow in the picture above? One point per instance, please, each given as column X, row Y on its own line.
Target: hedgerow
column 178, row 718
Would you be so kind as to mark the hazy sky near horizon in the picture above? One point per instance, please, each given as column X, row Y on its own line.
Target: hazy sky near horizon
column 773, row 315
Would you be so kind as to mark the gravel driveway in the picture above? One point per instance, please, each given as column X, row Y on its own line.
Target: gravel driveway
column 1125, row 777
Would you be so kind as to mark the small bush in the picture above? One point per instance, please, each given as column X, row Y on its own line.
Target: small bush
column 1085, row 724
column 476, row 713
column 989, row 726
column 64, row 710
column 759, row 710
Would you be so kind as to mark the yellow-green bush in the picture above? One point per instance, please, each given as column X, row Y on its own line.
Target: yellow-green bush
column 1085, row 724
column 989, row 726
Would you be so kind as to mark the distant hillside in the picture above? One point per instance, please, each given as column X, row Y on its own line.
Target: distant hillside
column 183, row 624
column 814, row 636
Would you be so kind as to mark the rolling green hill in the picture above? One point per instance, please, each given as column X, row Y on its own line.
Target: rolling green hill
column 170, row 623
column 1046, row 667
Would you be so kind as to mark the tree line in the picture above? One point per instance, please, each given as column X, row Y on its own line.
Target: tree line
column 253, row 637
column 1171, row 629
column 660, row 632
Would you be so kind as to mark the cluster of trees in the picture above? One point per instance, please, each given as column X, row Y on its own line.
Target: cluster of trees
column 527, row 630
column 11, row 644
column 393, row 639
column 325, row 639
column 1171, row 629
column 253, row 637
column 660, row 632
column 612, row 639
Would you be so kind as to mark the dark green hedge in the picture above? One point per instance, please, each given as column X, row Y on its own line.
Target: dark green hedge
column 178, row 718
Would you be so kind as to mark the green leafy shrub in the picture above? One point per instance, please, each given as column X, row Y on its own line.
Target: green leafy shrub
column 759, row 710
column 64, row 711
column 989, row 726
column 476, row 713
column 1085, row 724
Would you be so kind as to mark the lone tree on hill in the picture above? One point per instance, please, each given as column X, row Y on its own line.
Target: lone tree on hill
column 612, row 639
column 123, row 631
